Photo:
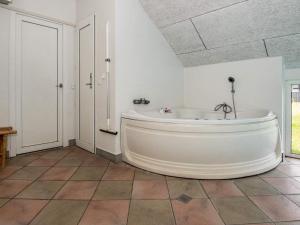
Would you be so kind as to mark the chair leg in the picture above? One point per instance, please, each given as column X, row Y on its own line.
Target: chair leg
column 3, row 144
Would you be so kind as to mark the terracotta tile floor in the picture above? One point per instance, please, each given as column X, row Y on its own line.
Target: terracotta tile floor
column 73, row 187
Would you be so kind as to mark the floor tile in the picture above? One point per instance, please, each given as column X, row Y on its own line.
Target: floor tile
column 28, row 173
column 292, row 160
column 294, row 198
column 81, row 190
column 10, row 188
column 19, row 212
column 22, row 160
column 273, row 173
column 290, row 170
column 150, row 189
column 285, row 185
column 69, row 162
column 113, row 190
column 41, row 190
column 3, row 201
column 255, row 186
column 61, row 212
column 239, row 210
column 119, row 173
column 289, row 223
column 59, row 173
column 150, row 212
column 56, row 154
column 95, row 161
column 278, row 208
column 145, row 175
column 196, row 212
column 113, row 212
column 43, row 162
column 89, row 173
column 7, row 171
column 219, row 189
column 192, row 188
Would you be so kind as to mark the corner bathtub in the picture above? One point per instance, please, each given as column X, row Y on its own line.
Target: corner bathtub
column 193, row 144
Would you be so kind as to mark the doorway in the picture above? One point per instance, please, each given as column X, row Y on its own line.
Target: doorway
column 86, row 85
column 293, row 119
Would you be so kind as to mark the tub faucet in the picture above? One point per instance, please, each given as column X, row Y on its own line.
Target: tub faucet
column 225, row 108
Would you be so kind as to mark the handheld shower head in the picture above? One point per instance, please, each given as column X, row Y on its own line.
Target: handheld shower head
column 231, row 79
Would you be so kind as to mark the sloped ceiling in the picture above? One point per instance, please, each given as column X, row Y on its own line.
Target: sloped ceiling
column 213, row 31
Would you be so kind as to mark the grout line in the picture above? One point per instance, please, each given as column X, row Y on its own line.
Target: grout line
column 215, row 10
column 265, row 45
column 200, row 37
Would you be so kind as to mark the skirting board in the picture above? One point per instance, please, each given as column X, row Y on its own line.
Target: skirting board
column 109, row 156
column 72, row 142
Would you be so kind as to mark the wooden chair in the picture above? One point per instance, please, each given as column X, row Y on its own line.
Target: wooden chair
column 4, row 132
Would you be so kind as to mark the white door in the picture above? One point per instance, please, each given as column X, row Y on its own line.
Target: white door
column 86, row 87
column 38, row 75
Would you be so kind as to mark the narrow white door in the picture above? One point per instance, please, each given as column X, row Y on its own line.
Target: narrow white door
column 38, row 76
column 86, row 87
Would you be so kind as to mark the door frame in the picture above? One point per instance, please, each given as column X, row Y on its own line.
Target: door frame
column 18, row 18
column 288, row 117
column 90, row 20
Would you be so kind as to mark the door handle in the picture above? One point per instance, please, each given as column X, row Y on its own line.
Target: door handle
column 91, row 81
column 60, row 85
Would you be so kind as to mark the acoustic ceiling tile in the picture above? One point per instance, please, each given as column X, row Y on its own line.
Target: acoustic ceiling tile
column 183, row 37
column 166, row 12
column 249, row 21
column 226, row 54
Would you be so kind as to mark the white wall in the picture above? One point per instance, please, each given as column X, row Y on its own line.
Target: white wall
column 146, row 66
column 258, row 85
column 4, row 66
column 59, row 9
column 292, row 74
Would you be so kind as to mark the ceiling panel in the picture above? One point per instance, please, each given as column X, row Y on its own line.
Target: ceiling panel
column 224, row 54
column 166, row 12
column 287, row 46
column 183, row 37
column 249, row 21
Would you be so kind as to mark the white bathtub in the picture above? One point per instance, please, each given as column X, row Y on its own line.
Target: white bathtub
column 194, row 144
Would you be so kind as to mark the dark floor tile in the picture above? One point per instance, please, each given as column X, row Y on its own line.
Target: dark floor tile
column 10, row 188
column 95, row 161
column 61, row 212
column 69, row 162
column 28, row 173
column 255, row 186
column 239, row 210
column 191, row 188
column 221, row 188
column 7, row 171
column 119, row 173
column 150, row 212
column 113, row 212
column 108, row 190
column 196, row 212
column 41, row 190
column 22, row 160
column 81, row 190
column 20, row 212
column 3, row 201
column 278, row 208
column 89, row 173
column 59, row 173
column 150, row 189
column 43, row 162
column 145, row 175
column 285, row 185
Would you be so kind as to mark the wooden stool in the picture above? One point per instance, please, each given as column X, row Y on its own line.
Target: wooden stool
column 4, row 132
